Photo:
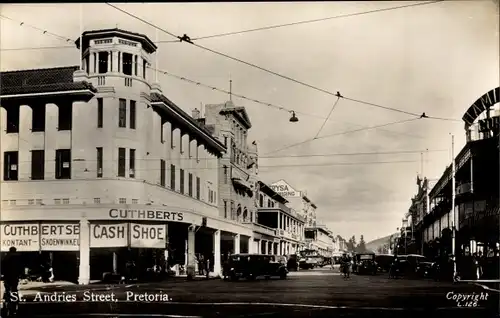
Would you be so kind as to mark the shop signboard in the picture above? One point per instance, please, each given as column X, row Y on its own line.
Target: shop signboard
column 285, row 190
column 60, row 237
column 109, row 235
column 25, row 237
column 148, row 235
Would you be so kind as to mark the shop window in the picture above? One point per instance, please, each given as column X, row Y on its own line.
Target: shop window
column 132, row 114
column 100, row 112
column 131, row 163
column 181, row 171
column 162, row 172
column 121, row 162
column 38, row 118
column 12, row 119
column 172, row 177
column 65, row 117
column 37, row 164
column 99, row 161
column 122, row 113
column 10, row 168
column 63, row 164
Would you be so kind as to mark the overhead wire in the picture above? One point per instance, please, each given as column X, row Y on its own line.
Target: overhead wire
column 171, row 34
column 186, row 38
column 241, row 96
column 206, row 159
column 341, row 133
column 255, row 29
column 327, row 117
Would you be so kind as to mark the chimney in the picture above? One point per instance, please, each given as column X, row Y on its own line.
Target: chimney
column 196, row 114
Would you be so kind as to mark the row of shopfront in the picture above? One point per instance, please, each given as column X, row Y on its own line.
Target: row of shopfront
column 84, row 244
column 475, row 199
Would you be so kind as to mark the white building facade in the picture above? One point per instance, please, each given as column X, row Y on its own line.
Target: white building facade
column 98, row 166
column 286, row 222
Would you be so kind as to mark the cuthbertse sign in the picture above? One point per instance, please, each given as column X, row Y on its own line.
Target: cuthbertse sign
column 31, row 237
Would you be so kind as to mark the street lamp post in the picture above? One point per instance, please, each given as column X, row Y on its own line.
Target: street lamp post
column 453, row 223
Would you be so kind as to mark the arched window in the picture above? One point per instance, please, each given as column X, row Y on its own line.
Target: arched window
column 238, row 212
column 245, row 215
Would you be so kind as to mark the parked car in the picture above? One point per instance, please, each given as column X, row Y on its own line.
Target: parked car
column 384, row 262
column 251, row 266
column 364, row 263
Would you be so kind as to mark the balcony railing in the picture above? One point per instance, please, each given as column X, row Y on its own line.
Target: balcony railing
column 263, row 229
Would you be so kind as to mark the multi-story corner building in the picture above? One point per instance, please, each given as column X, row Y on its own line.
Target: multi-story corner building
column 287, row 223
column 99, row 166
column 237, row 178
column 477, row 210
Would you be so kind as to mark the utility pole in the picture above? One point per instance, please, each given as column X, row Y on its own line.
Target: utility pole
column 80, row 62
column 453, row 225
column 230, row 88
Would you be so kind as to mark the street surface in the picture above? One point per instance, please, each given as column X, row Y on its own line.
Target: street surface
column 311, row 293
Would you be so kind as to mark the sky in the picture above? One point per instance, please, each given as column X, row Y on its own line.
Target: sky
column 436, row 58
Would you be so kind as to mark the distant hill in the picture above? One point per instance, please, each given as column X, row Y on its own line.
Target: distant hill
column 375, row 244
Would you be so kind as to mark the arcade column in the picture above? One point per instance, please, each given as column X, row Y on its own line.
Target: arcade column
column 250, row 245
column 190, row 264
column 237, row 244
column 217, row 255
column 84, row 266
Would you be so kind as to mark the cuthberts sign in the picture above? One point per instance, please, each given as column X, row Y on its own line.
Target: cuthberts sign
column 481, row 105
column 122, row 214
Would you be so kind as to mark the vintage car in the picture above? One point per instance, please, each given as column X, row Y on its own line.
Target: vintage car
column 384, row 261
column 251, row 266
column 364, row 263
column 309, row 259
